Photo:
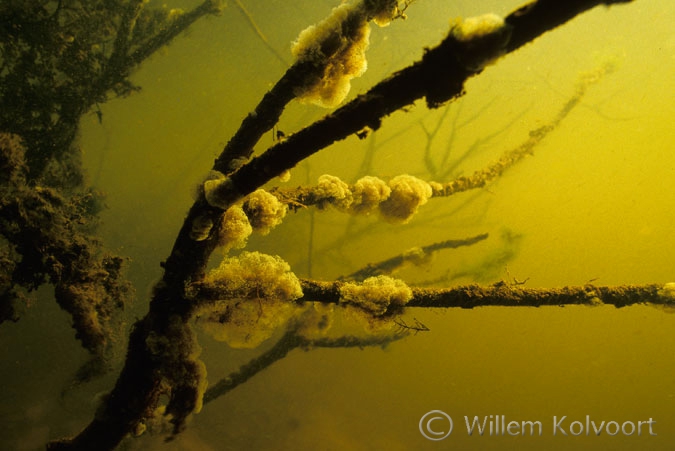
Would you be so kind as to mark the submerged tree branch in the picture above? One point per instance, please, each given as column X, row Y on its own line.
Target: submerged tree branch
column 162, row 359
column 513, row 295
column 438, row 77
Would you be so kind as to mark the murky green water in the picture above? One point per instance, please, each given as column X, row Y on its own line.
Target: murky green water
column 594, row 203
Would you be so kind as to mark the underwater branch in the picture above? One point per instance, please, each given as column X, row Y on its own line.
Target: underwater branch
column 512, row 295
column 504, row 294
column 438, row 77
column 163, row 357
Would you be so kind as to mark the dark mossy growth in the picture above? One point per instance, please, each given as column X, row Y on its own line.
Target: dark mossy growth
column 46, row 239
column 60, row 60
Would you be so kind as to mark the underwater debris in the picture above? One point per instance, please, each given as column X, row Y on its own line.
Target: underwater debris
column 47, row 239
column 415, row 256
column 295, row 338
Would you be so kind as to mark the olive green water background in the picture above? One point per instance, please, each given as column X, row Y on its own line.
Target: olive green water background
column 594, row 203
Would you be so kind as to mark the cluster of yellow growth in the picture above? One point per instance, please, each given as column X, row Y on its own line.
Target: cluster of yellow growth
column 213, row 187
column 331, row 190
column 341, row 40
column 376, row 295
column 407, row 194
column 259, row 290
column 397, row 201
column 345, row 48
column 259, row 211
column 668, row 291
column 156, row 423
column 477, row 27
column 175, row 13
column 264, row 211
column 367, row 194
column 235, row 229
column 483, row 38
column 285, row 176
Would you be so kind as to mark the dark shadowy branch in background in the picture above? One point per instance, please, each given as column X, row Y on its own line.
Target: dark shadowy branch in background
column 415, row 256
column 482, row 177
column 289, row 341
column 179, row 24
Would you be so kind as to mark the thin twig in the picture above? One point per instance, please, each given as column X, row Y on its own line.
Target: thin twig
column 259, row 33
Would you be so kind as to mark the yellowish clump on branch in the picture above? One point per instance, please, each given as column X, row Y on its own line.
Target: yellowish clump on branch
column 483, row 40
column 260, row 211
column 376, row 295
column 667, row 294
column 264, row 211
column 375, row 303
column 368, row 192
column 397, row 201
column 407, row 194
column 201, row 228
column 340, row 41
column 384, row 11
column 331, row 190
column 215, row 186
column 668, row 291
column 235, row 229
column 258, row 291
